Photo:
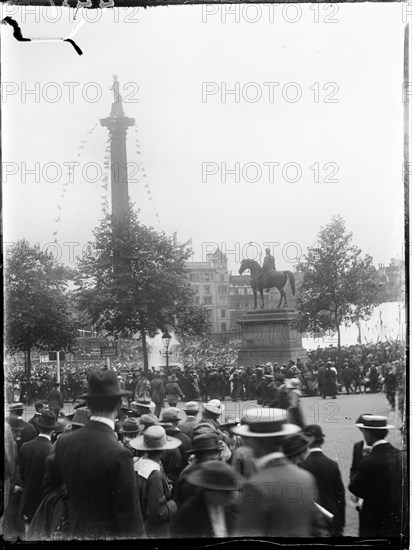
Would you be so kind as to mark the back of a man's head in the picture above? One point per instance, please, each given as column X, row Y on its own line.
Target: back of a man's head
column 103, row 405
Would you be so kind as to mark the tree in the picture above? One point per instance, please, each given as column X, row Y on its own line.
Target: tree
column 36, row 303
column 134, row 280
column 339, row 286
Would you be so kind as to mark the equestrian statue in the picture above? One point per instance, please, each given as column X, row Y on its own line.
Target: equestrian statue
column 267, row 277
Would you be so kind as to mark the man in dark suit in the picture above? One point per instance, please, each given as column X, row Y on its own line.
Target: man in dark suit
column 97, row 470
column 40, row 406
column 380, row 483
column 158, row 393
column 33, row 456
column 22, row 430
column 331, row 491
column 55, row 399
column 278, row 500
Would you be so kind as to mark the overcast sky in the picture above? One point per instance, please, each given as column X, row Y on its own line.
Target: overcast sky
column 166, row 55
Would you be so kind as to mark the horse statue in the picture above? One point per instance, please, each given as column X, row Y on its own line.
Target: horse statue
column 274, row 279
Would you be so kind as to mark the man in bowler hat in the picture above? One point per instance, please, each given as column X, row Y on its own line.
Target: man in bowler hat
column 97, row 470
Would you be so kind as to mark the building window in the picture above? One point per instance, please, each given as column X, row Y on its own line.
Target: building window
column 245, row 291
column 237, row 305
column 207, row 289
column 212, row 276
column 207, row 300
column 223, row 327
column 207, row 277
column 223, row 313
column 194, row 277
column 236, row 291
column 222, row 289
column 222, row 277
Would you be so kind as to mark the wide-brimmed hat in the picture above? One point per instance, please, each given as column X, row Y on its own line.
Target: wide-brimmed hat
column 142, row 404
column 314, row 431
column 130, row 426
column 155, row 439
column 191, row 406
column 205, row 442
column 81, row 417
column 216, row 476
column 296, row 444
column 103, row 384
column 173, row 378
column 374, row 422
column 265, row 422
column 47, row 420
column 214, row 406
column 170, row 414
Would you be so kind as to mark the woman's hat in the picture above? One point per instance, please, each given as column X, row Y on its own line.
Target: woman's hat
column 296, row 444
column 214, row 406
column 374, row 422
column 47, row 420
column 205, row 442
column 230, row 421
column 155, row 439
column 130, row 426
column 265, row 422
column 216, row 476
column 103, row 384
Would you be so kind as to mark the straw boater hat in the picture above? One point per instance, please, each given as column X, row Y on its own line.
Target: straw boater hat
column 265, row 422
column 374, row 422
column 155, row 439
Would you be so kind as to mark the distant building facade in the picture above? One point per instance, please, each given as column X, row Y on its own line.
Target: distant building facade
column 210, row 280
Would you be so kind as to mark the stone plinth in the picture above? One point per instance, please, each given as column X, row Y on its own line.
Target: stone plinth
column 267, row 335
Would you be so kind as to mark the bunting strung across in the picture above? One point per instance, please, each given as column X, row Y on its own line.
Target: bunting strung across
column 68, row 179
column 146, row 185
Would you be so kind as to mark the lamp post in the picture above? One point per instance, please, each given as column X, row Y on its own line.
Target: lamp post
column 166, row 338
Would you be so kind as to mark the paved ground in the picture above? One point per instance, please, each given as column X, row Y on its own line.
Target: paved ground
column 337, row 418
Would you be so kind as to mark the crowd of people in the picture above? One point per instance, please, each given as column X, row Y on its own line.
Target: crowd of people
column 118, row 468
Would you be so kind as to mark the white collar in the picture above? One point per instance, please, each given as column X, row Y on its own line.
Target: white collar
column 47, row 436
column 261, row 462
column 380, row 442
column 103, row 420
column 313, row 449
column 144, row 466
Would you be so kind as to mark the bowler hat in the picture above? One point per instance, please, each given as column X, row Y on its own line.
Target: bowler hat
column 130, row 426
column 205, row 442
column 374, row 422
column 191, row 406
column 265, row 422
column 315, row 431
column 296, row 444
column 47, row 420
column 104, row 384
column 170, row 414
column 155, row 439
column 216, row 476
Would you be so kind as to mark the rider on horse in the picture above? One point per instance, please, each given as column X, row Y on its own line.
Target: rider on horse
column 268, row 266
